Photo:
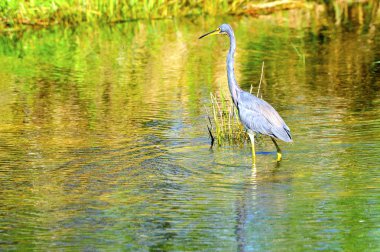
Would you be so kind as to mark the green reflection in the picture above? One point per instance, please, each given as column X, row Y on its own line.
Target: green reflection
column 104, row 143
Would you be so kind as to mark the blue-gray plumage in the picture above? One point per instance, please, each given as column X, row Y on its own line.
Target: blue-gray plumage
column 255, row 114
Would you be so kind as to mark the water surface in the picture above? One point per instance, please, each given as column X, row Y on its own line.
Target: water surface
column 104, row 145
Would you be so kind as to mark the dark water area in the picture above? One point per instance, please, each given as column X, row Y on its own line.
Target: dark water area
column 104, row 145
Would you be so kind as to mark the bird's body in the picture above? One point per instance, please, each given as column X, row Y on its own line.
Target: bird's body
column 255, row 114
column 259, row 116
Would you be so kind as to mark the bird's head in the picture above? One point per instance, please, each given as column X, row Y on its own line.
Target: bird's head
column 221, row 30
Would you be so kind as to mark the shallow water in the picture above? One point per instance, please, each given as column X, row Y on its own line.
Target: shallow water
column 104, row 145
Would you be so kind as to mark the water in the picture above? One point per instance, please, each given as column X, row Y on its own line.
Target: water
column 104, row 146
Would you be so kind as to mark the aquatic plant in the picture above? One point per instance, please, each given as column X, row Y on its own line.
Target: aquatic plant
column 224, row 122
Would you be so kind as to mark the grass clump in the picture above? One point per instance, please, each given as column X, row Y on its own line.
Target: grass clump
column 225, row 126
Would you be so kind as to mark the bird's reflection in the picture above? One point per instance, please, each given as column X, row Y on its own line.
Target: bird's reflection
column 247, row 203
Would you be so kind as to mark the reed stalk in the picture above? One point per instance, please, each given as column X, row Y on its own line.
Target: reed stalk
column 225, row 125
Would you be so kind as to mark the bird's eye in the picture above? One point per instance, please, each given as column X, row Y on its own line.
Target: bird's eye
column 218, row 29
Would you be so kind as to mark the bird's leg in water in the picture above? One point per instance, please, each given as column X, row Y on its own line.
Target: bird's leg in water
column 279, row 154
column 252, row 137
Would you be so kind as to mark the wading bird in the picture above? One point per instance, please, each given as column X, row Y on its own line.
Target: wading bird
column 255, row 114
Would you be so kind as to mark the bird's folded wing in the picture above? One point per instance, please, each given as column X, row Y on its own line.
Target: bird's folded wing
column 259, row 116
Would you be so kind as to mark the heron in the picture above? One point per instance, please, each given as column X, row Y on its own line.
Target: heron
column 256, row 115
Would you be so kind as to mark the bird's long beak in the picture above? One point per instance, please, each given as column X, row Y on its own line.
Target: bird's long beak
column 215, row 32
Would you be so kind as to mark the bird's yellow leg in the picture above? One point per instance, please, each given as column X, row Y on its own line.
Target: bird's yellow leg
column 279, row 154
column 252, row 138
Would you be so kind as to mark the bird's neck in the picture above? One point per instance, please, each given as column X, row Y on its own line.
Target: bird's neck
column 232, row 84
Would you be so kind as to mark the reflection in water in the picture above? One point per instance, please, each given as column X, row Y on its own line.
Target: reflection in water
column 104, row 143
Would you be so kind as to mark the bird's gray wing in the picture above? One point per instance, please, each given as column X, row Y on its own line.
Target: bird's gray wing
column 259, row 116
